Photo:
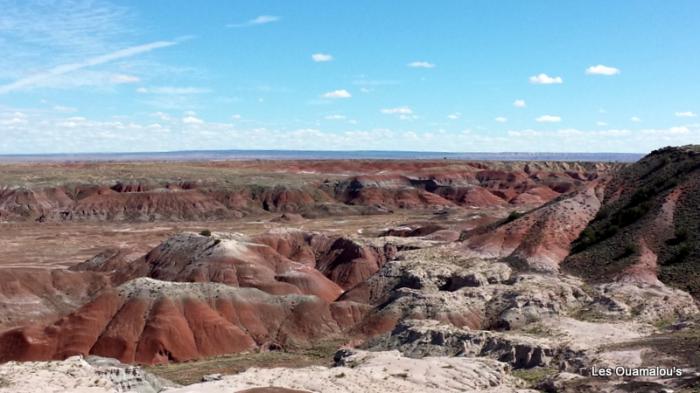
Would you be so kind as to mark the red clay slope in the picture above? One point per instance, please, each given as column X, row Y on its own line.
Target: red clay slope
column 150, row 321
column 36, row 295
column 540, row 238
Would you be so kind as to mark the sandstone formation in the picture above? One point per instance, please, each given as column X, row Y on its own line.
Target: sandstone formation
column 78, row 375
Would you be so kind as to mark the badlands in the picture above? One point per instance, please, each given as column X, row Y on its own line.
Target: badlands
column 351, row 276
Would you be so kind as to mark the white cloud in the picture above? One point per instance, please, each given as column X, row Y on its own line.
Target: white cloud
column 501, row 119
column 162, row 116
column 342, row 93
column 334, row 117
column 13, row 119
column 64, row 109
column 454, row 116
column 548, row 119
column 421, row 64
column 260, row 20
column 602, row 70
column 171, row 90
column 686, row 114
column 37, row 79
column 236, row 117
column 403, row 110
column 123, row 78
column 321, row 57
column 191, row 119
column 519, row 103
column 635, row 119
column 544, row 79
column 601, row 123
column 44, row 132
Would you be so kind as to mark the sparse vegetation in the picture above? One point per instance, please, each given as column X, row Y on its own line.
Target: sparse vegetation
column 681, row 344
column 192, row 372
column 589, row 315
column 538, row 329
column 534, row 376
column 683, row 252
column 205, row 232
column 664, row 323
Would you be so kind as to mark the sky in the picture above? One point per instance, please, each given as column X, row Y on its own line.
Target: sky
column 453, row 76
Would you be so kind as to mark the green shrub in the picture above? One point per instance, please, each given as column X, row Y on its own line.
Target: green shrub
column 680, row 236
column 514, row 215
column 630, row 249
column 680, row 256
column 205, row 232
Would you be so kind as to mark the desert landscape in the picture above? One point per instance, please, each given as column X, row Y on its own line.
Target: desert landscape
column 350, row 275
column 314, row 196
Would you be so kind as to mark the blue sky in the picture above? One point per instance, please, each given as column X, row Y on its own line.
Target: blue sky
column 98, row 76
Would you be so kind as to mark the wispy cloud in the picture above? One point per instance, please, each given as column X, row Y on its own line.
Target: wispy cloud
column 544, row 79
column 172, row 90
column 602, row 70
column 635, row 119
column 260, row 20
column 402, row 110
column 334, row 117
column 124, row 78
column 36, row 79
column 342, row 93
column 321, row 57
column 89, row 27
column 454, row 116
column 501, row 119
column 421, row 64
column 686, row 114
column 548, row 119
column 519, row 103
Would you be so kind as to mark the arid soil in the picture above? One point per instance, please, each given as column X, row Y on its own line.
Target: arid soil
column 425, row 276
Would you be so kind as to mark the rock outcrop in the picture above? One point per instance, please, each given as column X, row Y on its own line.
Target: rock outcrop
column 77, row 374
column 360, row 371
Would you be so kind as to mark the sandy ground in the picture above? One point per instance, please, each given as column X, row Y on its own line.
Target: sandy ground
column 59, row 245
